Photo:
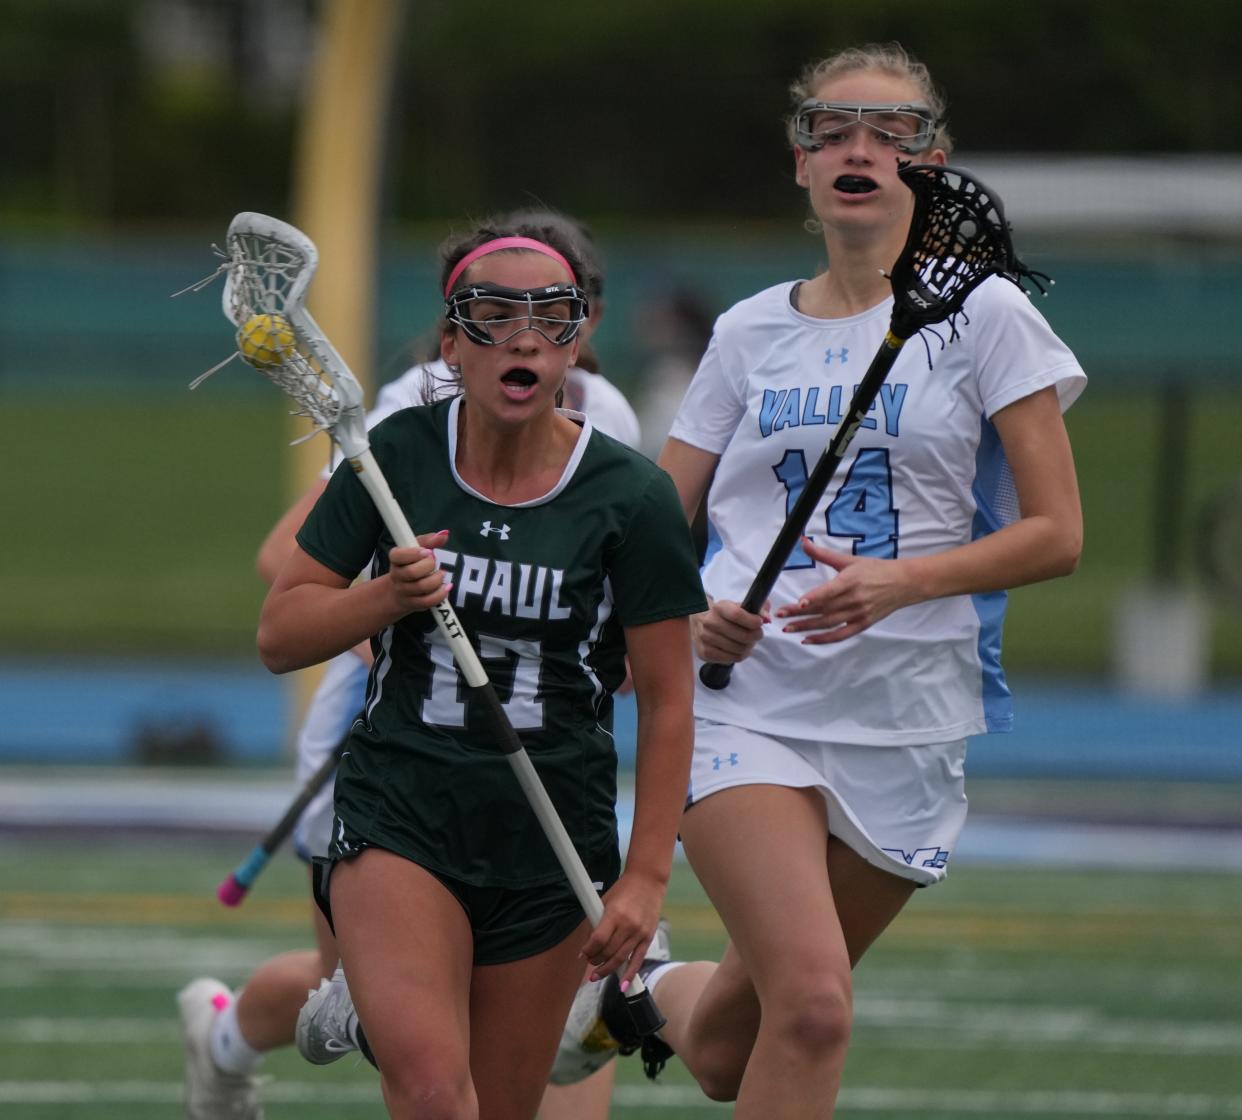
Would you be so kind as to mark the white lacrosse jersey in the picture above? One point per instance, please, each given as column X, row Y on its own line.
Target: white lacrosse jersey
column 924, row 473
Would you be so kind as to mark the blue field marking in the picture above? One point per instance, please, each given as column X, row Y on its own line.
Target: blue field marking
column 72, row 712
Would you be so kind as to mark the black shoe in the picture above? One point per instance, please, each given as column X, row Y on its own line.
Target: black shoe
column 633, row 1022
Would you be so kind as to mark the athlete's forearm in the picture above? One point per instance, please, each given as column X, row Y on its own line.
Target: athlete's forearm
column 1028, row 551
column 662, row 776
column 662, row 668
column 308, row 623
column 691, row 470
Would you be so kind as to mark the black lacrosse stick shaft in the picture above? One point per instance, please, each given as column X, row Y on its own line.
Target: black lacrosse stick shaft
column 715, row 675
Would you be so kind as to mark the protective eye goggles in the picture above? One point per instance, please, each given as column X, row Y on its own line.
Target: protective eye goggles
column 490, row 314
column 909, row 128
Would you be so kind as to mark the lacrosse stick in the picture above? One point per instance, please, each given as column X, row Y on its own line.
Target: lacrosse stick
column 958, row 238
column 269, row 265
column 232, row 892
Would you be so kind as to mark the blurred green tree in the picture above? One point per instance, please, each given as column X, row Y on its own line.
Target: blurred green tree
column 140, row 111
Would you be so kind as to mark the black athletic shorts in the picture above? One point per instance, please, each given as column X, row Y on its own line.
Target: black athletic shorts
column 508, row 924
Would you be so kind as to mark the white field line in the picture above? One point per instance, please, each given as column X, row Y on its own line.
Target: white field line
column 950, row 1102
column 1024, row 1025
column 64, row 949
column 30, row 954
column 918, row 1026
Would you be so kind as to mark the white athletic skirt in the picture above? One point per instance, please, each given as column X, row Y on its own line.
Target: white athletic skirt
column 900, row 808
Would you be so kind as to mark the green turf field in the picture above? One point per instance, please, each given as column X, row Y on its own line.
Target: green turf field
column 141, row 534
column 1003, row 993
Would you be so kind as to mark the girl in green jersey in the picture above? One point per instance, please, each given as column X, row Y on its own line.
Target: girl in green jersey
column 563, row 552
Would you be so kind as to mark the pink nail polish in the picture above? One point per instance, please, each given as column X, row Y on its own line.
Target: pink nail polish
column 625, row 986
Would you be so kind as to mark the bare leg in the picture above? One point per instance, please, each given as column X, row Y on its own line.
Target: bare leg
column 453, row 1041
column 406, row 946
column 517, row 1012
column 764, row 858
column 588, row 1099
column 267, row 1008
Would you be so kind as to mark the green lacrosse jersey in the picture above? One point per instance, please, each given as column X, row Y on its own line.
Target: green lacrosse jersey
column 544, row 590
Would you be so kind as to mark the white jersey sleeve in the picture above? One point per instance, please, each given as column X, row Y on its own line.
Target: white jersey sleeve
column 402, row 392
column 1016, row 352
column 606, row 405
column 715, row 402
column 601, row 400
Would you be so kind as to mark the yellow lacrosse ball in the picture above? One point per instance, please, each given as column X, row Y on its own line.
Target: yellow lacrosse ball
column 265, row 340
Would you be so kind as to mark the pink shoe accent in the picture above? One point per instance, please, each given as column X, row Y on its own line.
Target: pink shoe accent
column 220, row 1001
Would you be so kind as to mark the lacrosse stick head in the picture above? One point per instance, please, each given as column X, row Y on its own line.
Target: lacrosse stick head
column 958, row 238
column 269, row 266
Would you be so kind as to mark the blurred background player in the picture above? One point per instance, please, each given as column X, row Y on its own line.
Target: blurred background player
column 227, row 1033
column 672, row 328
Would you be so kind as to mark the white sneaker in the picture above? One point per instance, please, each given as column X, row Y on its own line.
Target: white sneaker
column 210, row 1093
column 323, row 1023
column 586, row 1044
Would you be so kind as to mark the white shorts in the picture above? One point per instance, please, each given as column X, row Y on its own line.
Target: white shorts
column 337, row 700
column 900, row 808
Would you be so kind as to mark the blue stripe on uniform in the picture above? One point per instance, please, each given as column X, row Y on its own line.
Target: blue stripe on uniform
column 991, row 479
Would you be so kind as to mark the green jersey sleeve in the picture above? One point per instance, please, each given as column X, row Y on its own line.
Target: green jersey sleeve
column 654, row 570
column 343, row 528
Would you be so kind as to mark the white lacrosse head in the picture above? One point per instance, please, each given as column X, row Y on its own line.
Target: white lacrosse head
column 269, row 267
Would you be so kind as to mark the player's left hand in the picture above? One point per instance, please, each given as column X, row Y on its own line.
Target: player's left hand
column 624, row 934
column 863, row 591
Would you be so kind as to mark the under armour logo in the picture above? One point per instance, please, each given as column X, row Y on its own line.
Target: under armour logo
column 718, row 762
column 843, row 354
column 502, row 531
column 934, row 856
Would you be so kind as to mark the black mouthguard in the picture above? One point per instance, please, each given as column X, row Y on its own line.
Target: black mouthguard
column 854, row 184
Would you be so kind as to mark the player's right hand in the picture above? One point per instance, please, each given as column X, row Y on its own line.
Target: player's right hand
column 726, row 633
column 418, row 582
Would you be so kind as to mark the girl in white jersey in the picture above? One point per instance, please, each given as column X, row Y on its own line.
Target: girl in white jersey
column 828, row 777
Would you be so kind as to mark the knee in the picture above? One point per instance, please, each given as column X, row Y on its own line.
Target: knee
column 413, row 1093
column 815, row 1021
column 718, row 1070
column 810, row 1024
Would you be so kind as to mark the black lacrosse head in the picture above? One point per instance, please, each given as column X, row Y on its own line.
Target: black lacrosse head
column 958, row 238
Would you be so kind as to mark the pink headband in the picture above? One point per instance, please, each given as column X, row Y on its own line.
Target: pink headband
column 495, row 247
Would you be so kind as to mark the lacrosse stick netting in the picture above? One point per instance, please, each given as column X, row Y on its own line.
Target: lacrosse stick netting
column 958, row 238
column 268, row 267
